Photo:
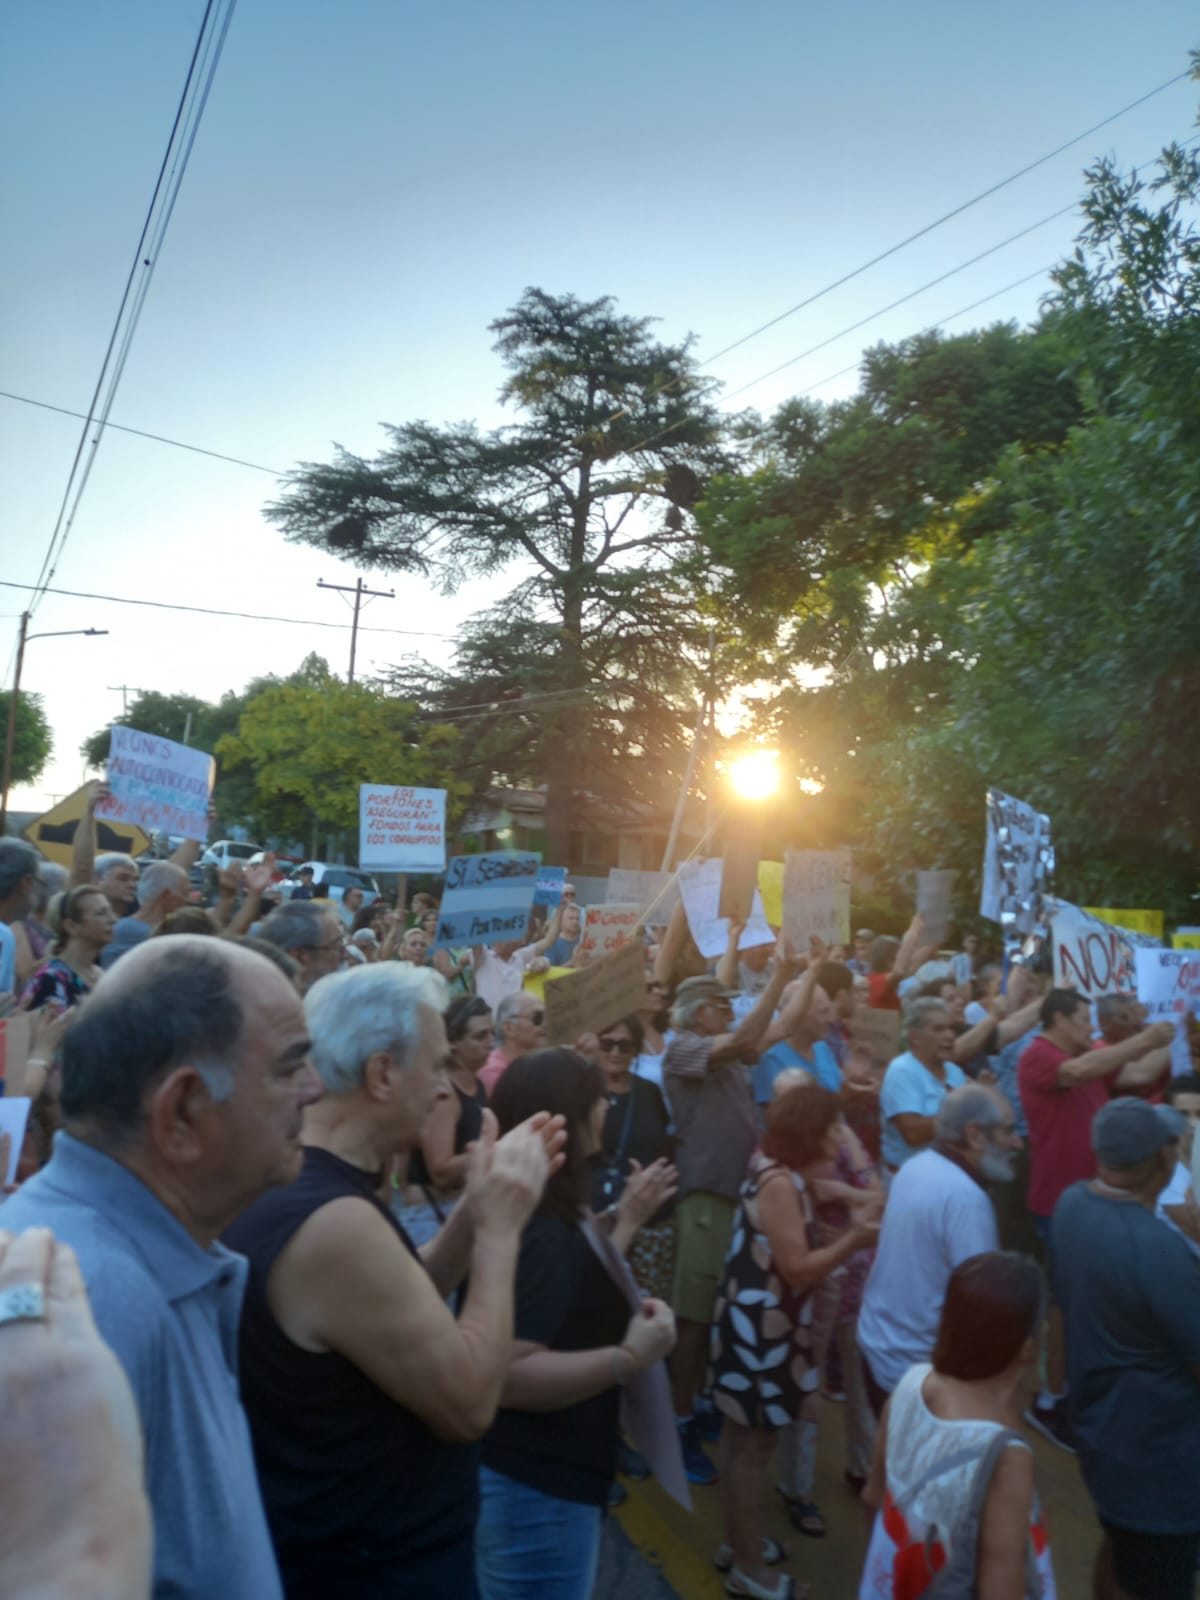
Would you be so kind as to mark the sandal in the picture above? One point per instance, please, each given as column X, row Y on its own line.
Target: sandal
column 807, row 1519
column 737, row 1583
column 770, row 1551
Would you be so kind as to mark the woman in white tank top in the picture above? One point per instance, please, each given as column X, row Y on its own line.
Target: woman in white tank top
column 952, row 1479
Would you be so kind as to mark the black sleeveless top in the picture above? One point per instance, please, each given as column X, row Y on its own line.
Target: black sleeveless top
column 353, row 1483
column 470, row 1126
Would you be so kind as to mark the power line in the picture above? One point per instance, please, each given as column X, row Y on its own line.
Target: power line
column 141, row 433
column 210, row 611
column 206, row 56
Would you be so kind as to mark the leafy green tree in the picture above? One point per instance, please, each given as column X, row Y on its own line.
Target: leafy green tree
column 587, row 500
column 33, row 742
column 168, row 716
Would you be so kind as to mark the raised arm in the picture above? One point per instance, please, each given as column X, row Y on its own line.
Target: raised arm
column 83, row 845
column 671, row 948
column 787, row 1235
column 728, row 975
column 1112, row 1057
column 540, row 946
column 733, row 1046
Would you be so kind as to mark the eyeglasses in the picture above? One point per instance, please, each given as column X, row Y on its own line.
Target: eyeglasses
column 625, row 1047
column 537, row 1018
column 331, row 944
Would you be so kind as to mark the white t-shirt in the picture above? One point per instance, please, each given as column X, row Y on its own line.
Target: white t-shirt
column 910, row 1087
column 1175, row 1194
column 650, row 1066
column 936, row 1217
column 495, row 978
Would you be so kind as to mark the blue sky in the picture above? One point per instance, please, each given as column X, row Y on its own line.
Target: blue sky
column 374, row 182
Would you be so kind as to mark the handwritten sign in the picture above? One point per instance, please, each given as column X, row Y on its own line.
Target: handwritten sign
column 400, row 829
column 606, row 928
column 14, row 1052
column 700, row 886
column 487, row 899
column 1092, row 957
column 594, row 997
column 657, row 892
column 878, row 1032
column 739, row 872
column 816, row 897
column 1017, row 860
column 1148, row 922
column 935, row 893
column 550, row 884
column 1168, row 985
column 162, row 786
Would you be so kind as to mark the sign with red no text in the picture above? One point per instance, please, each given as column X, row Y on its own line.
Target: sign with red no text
column 401, row 829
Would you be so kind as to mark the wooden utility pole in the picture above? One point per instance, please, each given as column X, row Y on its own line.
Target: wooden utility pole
column 360, row 594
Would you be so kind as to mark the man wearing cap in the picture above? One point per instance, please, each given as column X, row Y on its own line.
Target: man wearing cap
column 708, row 1085
column 1130, row 1293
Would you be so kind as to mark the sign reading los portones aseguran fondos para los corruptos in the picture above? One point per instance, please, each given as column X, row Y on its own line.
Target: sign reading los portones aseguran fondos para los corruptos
column 401, row 829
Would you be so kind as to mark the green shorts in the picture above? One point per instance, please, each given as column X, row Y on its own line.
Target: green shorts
column 703, row 1229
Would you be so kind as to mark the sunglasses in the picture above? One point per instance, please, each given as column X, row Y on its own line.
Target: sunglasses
column 537, row 1018
column 625, row 1047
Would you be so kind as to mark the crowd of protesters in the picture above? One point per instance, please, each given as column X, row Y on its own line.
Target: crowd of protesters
column 359, row 1287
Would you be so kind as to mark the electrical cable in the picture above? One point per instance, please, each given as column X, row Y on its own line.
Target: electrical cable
column 141, row 433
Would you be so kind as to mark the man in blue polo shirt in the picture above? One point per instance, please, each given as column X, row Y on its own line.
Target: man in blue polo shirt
column 916, row 1083
column 184, row 1081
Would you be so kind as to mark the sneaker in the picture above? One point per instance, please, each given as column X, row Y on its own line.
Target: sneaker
column 631, row 1463
column 696, row 1463
column 1052, row 1423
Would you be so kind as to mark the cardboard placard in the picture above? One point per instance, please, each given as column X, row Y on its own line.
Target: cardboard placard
column 401, row 829
column 594, row 997
column 739, row 872
column 607, row 928
column 1093, row 957
column 162, row 786
column 878, row 1032
column 816, row 897
column 550, row 885
column 700, row 886
column 654, row 892
column 1016, row 860
column 770, row 886
column 487, row 898
column 14, row 1052
column 935, row 895
column 1168, row 985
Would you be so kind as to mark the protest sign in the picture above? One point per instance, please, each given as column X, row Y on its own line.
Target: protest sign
column 400, row 829
column 14, row 1115
column 770, row 886
column 1017, row 862
column 654, row 892
column 162, row 786
column 550, row 883
column 594, row 997
column 1092, row 957
column 606, row 928
column 1186, row 938
column 816, row 897
column 487, row 899
column 14, row 1052
column 739, row 873
column 1168, row 985
column 700, row 886
column 1148, row 922
column 535, row 982
column 935, row 892
column 878, row 1032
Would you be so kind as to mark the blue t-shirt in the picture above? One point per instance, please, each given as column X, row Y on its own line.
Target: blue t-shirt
column 561, row 951
column 822, row 1064
column 1130, row 1293
column 8, row 960
column 908, row 1086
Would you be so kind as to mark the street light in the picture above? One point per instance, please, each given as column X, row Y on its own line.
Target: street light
column 10, row 736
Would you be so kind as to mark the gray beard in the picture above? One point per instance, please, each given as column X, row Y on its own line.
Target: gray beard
column 997, row 1166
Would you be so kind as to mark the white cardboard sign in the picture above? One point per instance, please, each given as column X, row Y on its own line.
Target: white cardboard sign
column 401, row 829
column 700, row 886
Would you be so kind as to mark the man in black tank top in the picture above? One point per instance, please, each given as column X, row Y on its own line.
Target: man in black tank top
column 365, row 1396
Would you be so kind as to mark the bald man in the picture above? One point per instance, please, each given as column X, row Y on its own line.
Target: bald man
column 184, row 1085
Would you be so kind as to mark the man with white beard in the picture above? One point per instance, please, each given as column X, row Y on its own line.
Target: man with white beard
column 938, row 1214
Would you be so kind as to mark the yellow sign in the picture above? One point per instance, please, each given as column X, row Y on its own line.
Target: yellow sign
column 1147, row 922
column 770, row 887
column 54, row 832
column 535, row 982
column 1186, row 941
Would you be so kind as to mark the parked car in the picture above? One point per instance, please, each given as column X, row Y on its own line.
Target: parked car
column 228, row 851
column 338, row 878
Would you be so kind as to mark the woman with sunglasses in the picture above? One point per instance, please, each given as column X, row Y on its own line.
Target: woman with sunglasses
column 637, row 1132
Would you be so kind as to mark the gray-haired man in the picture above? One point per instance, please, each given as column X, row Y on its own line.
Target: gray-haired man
column 311, row 932
column 938, row 1214
column 162, row 888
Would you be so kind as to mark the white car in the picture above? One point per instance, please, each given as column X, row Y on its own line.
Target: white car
column 338, row 878
column 227, row 853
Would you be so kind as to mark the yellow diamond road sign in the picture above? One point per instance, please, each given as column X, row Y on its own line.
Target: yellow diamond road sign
column 54, row 832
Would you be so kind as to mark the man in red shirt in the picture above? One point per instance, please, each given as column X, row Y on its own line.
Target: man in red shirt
column 1063, row 1081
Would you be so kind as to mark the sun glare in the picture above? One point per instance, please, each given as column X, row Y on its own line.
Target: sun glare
column 755, row 776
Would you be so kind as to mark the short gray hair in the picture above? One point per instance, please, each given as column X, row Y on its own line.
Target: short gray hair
column 360, row 1011
column 51, row 880
column 919, row 1013
column 158, row 878
column 105, row 864
column 296, row 925
column 508, row 1008
column 973, row 1103
column 684, row 1012
column 17, row 860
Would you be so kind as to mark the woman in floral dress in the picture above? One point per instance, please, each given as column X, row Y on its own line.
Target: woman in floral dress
column 764, row 1374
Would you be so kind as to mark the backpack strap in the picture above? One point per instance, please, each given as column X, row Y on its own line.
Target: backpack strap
column 958, row 1578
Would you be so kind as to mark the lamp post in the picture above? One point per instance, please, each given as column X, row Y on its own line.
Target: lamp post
column 23, row 638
